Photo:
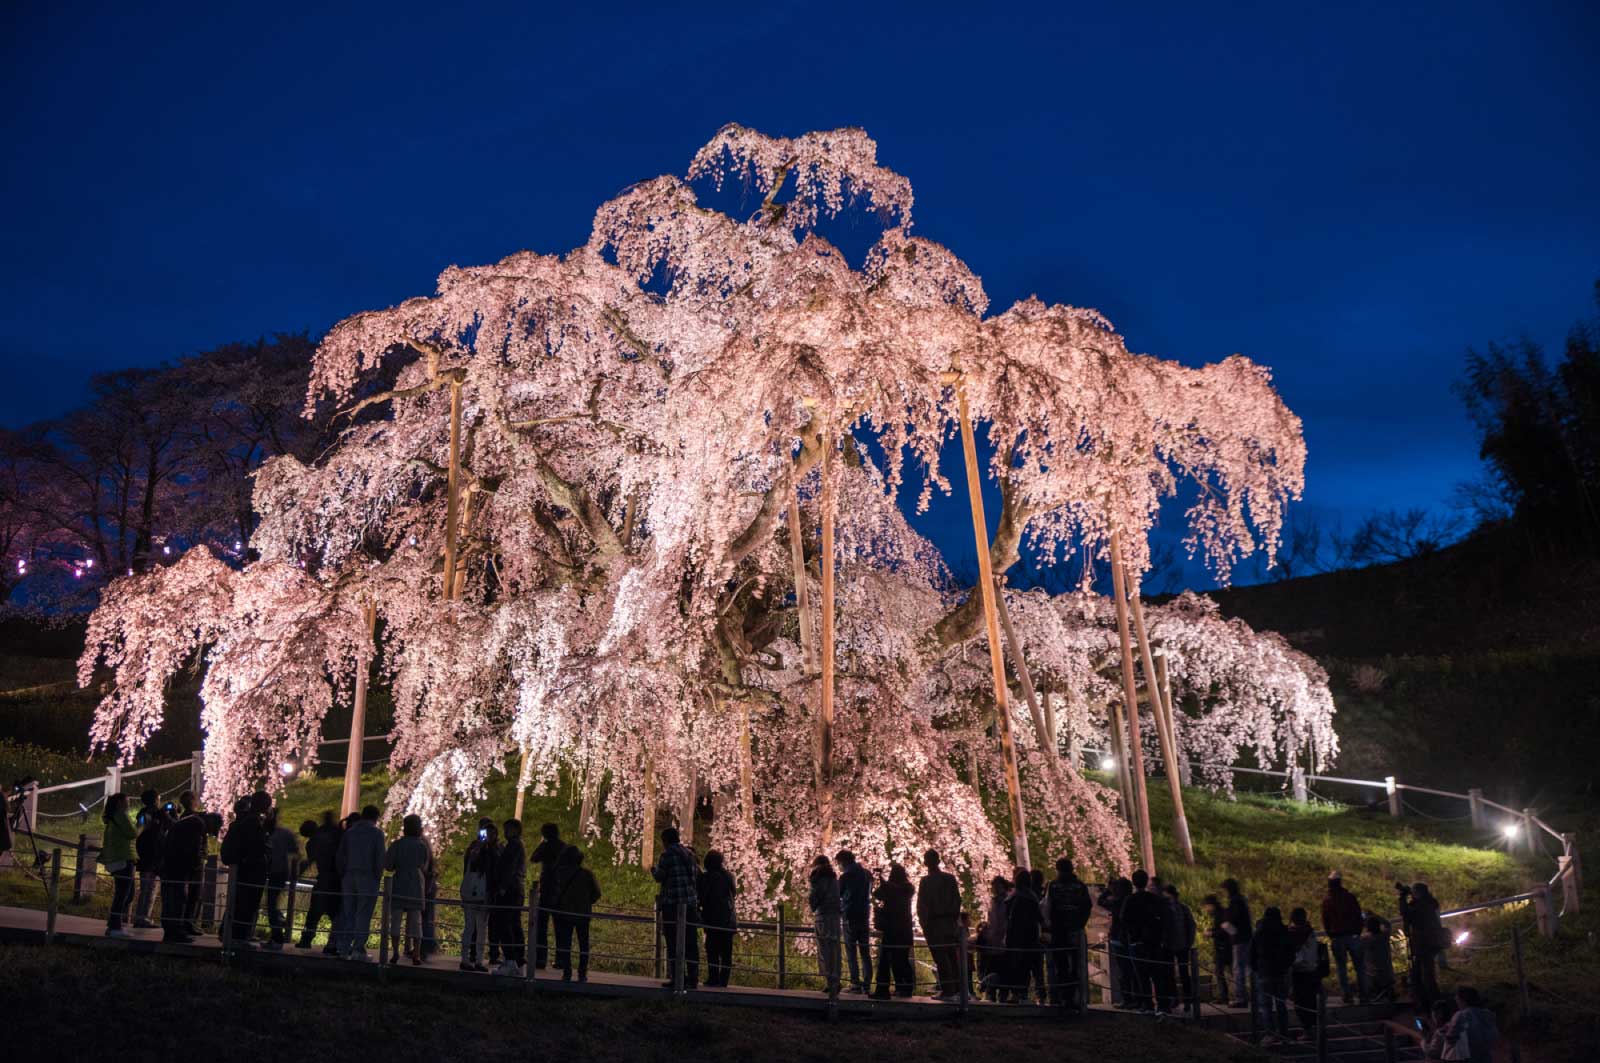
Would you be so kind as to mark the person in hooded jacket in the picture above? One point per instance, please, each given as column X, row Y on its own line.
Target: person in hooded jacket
column 1305, row 971
column 1471, row 1032
column 1066, row 909
column 575, row 890
column 827, row 917
column 1271, row 958
column 892, row 918
column 717, row 891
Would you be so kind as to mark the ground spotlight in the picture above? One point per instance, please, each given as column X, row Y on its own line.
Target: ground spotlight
column 287, row 768
column 1510, row 830
column 1108, row 763
column 1461, row 938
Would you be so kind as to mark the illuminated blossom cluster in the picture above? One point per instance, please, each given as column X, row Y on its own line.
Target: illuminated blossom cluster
column 639, row 420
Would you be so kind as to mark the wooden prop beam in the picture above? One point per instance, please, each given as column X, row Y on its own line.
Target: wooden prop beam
column 980, row 532
column 647, row 841
column 1158, row 712
column 686, row 814
column 522, row 784
column 1050, row 725
column 1119, row 752
column 1130, row 693
column 351, row 799
column 1041, row 729
column 747, row 786
column 1172, row 715
column 452, row 491
column 825, row 746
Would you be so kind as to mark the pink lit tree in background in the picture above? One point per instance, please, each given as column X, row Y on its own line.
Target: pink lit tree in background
column 588, row 498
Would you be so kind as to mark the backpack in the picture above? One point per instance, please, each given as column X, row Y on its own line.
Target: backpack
column 1306, row 956
column 1067, row 905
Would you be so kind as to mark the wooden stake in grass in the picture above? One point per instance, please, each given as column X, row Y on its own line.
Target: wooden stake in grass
column 1147, row 848
column 980, row 531
column 1152, row 689
column 351, row 799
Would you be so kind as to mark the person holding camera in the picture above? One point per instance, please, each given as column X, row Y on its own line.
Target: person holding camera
column 477, row 871
column 153, row 821
column 1419, row 915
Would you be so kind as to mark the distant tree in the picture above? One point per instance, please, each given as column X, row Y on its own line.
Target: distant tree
column 1300, row 552
column 1391, row 535
column 1539, row 433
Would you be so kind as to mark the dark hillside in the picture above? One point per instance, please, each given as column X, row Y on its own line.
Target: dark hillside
column 1477, row 665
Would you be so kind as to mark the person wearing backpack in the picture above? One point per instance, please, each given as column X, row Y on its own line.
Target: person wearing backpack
column 1067, row 907
column 1144, row 925
column 1306, row 970
column 1470, row 1035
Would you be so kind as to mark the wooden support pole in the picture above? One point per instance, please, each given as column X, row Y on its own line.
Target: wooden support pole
column 647, row 843
column 825, row 747
column 1475, row 807
column 1392, row 788
column 1544, row 912
column 1530, row 841
column 1164, row 681
column 522, row 785
column 1130, row 693
column 1569, row 846
column 1119, row 753
column 350, row 801
column 452, row 491
column 586, row 807
column 1041, row 729
column 802, row 584
column 980, row 531
column 1152, row 687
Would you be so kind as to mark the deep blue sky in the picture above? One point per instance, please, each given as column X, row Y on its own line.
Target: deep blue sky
column 1352, row 194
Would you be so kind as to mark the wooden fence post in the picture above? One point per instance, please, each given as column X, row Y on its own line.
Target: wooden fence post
column 1322, row 1025
column 210, row 877
column 655, row 916
column 197, row 772
column 1297, row 777
column 383, row 930
column 1569, row 843
column 533, row 928
column 680, row 932
column 1389, row 1053
column 962, row 986
column 1528, row 827
column 53, row 898
column 288, row 915
column 226, row 931
column 1543, row 911
column 1475, row 806
column 1392, row 788
column 84, row 872
column 1082, row 993
column 113, row 781
column 30, row 804
column 1193, row 960
column 783, row 951
column 1516, row 960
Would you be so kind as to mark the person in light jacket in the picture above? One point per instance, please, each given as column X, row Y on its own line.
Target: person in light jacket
column 116, row 853
column 360, row 863
column 408, row 857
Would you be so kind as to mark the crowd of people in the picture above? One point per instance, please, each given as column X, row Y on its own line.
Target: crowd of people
column 1025, row 948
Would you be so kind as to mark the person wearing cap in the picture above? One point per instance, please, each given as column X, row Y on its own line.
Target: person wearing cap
column 1342, row 922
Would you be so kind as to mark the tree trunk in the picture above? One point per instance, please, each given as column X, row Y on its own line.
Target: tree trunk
column 1008, row 749
column 747, row 786
column 686, row 813
column 1130, row 694
column 647, row 841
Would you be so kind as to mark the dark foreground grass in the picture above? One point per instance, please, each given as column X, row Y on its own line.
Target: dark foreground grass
column 67, row 1002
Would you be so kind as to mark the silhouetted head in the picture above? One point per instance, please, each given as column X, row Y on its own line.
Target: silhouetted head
column 513, row 829
column 897, row 875
column 1064, row 867
column 1272, row 917
column 261, row 802
column 999, row 886
column 1298, row 917
column 930, row 859
column 411, row 826
column 308, row 828
column 670, row 836
column 1468, row 997
column 1141, row 879
column 370, row 813
column 1230, row 886
column 115, row 804
column 149, row 798
column 550, row 832
column 845, row 857
column 713, row 860
column 1171, row 891
column 571, row 856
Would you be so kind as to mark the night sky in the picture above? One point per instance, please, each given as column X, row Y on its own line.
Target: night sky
column 1352, row 196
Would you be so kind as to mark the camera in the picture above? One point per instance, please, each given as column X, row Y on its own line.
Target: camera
column 483, row 834
column 169, row 808
column 1401, row 888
